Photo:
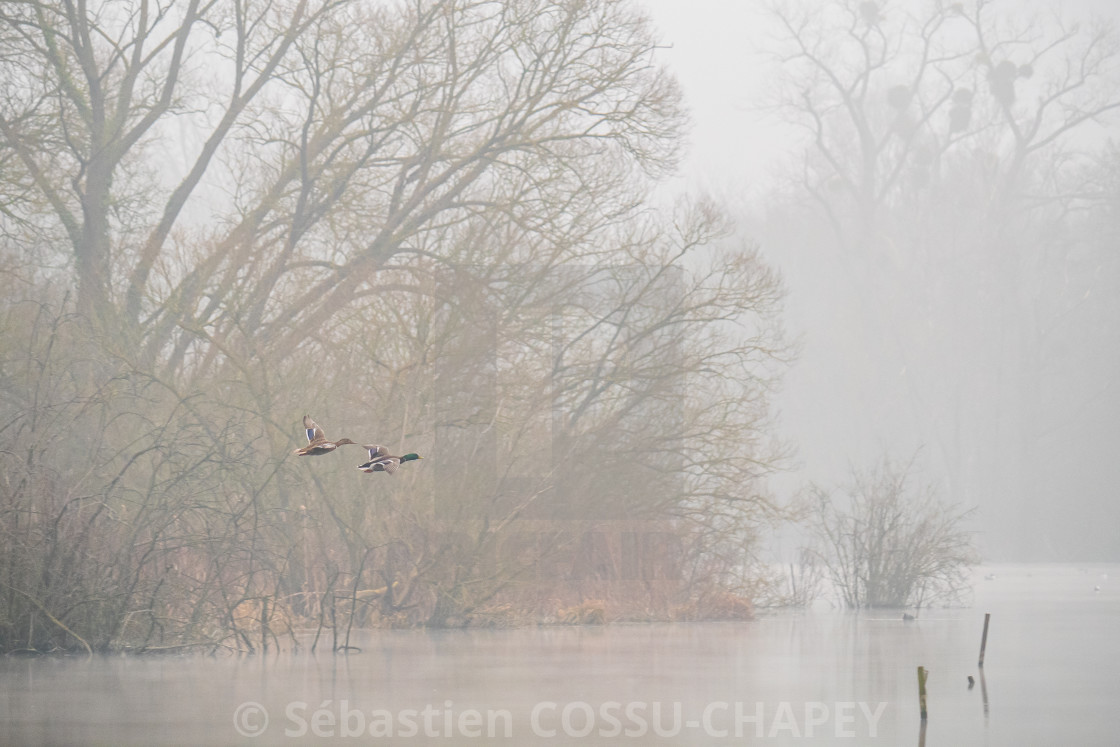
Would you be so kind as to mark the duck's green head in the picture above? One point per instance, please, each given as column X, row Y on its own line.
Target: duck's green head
column 411, row 457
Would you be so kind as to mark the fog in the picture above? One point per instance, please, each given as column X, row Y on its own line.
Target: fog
column 990, row 352
column 541, row 365
column 676, row 313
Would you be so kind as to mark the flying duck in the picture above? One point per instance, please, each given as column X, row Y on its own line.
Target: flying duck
column 380, row 460
column 317, row 442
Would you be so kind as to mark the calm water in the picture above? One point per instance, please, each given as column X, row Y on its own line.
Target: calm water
column 816, row 677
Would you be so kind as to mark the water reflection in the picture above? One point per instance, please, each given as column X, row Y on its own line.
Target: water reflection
column 984, row 693
column 789, row 678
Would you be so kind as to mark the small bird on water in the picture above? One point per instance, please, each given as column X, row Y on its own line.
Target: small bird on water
column 971, row 682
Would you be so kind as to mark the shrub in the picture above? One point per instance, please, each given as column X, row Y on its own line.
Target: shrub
column 890, row 545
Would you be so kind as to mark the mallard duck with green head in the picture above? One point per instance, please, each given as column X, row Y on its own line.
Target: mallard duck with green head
column 380, row 460
column 317, row 443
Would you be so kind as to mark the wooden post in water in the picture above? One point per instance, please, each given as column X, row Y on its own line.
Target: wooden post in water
column 922, row 674
column 984, row 638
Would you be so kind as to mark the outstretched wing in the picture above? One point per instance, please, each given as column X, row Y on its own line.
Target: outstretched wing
column 376, row 452
column 314, row 432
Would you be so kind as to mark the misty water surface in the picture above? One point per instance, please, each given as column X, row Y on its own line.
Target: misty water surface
column 791, row 677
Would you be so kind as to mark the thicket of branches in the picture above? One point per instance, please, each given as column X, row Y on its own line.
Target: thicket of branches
column 426, row 224
column 887, row 543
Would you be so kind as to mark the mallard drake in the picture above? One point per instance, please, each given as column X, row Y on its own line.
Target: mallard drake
column 317, row 442
column 380, row 460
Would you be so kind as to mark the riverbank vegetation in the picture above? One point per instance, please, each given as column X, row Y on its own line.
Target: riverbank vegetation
column 426, row 223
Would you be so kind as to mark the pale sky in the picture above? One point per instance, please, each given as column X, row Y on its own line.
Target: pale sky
column 714, row 54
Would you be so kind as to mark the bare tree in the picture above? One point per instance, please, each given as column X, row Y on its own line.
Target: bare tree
column 948, row 149
column 571, row 399
column 888, row 544
column 364, row 128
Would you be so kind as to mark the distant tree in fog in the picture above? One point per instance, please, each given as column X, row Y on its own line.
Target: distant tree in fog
column 951, row 174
